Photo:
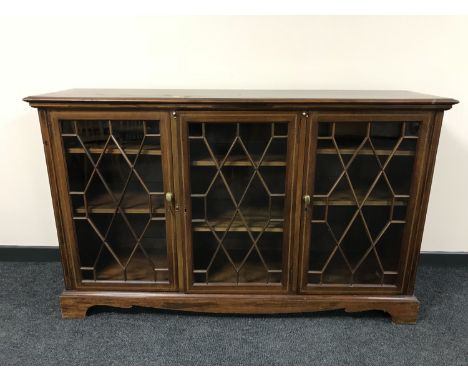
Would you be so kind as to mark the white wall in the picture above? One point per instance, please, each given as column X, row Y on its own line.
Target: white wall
column 425, row 54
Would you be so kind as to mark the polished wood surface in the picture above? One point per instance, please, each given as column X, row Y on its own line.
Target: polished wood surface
column 302, row 110
column 229, row 95
column 402, row 309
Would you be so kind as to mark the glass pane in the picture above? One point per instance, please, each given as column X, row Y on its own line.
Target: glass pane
column 238, row 181
column 362, row 185
column 117, row 196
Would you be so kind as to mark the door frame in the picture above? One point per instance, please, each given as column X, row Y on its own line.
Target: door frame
column 183, row 199
column 69, row 248
column 417, row 184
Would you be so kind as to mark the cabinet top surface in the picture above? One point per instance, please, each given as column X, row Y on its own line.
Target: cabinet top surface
column 247, row 96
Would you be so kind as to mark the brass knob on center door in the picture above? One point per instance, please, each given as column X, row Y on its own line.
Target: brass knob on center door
column 306, row 200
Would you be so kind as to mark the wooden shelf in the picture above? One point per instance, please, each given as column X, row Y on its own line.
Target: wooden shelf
column 250, row 273
column 129, row 150
column 351, row 151
column 221, row 223
column 365, row 275
column 347, row 199
column 133, row 203
column 382, row 147
column 242, row 161
column 139, row 270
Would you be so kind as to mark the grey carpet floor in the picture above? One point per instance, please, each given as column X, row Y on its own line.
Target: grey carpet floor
column 32, row 332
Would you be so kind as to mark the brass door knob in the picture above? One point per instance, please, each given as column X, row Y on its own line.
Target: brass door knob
column 169, row 197
column 306, row 200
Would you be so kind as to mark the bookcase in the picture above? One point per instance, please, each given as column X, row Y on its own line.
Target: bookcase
column 240, row 201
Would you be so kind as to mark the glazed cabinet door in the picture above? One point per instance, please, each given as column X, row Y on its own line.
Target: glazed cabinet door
column 361, row 190
column 238, row 172
column 115, row 187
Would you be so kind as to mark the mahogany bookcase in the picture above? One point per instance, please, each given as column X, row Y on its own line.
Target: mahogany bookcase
column 232, row 201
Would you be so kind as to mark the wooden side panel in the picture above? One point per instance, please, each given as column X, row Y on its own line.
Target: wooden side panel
column 50, row 155
column 427, row 171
